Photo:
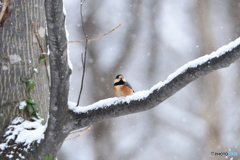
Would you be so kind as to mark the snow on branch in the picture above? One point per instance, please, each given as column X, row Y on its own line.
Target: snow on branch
column 144, row 100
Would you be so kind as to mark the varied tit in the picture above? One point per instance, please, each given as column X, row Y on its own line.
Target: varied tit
column 121, row 87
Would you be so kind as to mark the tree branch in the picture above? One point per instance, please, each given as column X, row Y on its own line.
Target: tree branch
column 145, row 100
column 5, row 12
column 59, row 67
column 46, row 66
column 93, row 39
column 85, row 53
column 60, row 73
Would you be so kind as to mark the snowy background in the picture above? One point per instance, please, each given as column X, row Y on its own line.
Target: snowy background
column 155, row 39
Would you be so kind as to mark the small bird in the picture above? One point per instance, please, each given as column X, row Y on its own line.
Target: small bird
column 121, row 87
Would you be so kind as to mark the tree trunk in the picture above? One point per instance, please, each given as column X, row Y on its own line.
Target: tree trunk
column 20, row 54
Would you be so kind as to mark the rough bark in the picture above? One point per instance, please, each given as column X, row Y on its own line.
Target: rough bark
column 19, row 54
column 57, row 129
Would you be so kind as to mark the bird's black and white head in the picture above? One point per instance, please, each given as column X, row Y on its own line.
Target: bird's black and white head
column 119, row 80
column 121, row 87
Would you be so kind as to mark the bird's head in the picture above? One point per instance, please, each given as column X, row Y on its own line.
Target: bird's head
column 119, row 79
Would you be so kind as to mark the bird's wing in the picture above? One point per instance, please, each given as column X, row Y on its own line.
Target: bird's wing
column 127, row 84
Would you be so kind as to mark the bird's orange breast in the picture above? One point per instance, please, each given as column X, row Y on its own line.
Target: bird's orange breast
column 122, row 90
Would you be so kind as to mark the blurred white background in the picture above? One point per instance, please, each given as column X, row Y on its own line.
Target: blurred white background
column 156, row 37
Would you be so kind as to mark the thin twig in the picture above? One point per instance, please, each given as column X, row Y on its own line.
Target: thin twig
column 88, row 129
column 81, row 130
column 5, row 12
column 98, row 36
column 82, row 58
column 4, row 7
column 37, row 36
column 36, row 33
column 85, row 54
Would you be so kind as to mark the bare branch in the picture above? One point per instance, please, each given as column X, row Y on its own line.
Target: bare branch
column 98, row 36
column 82, row 59
column 85, row 131
column 145, row 100
column 36, row 33
column 5, row 12
column 81, row 130
column 85, row 54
